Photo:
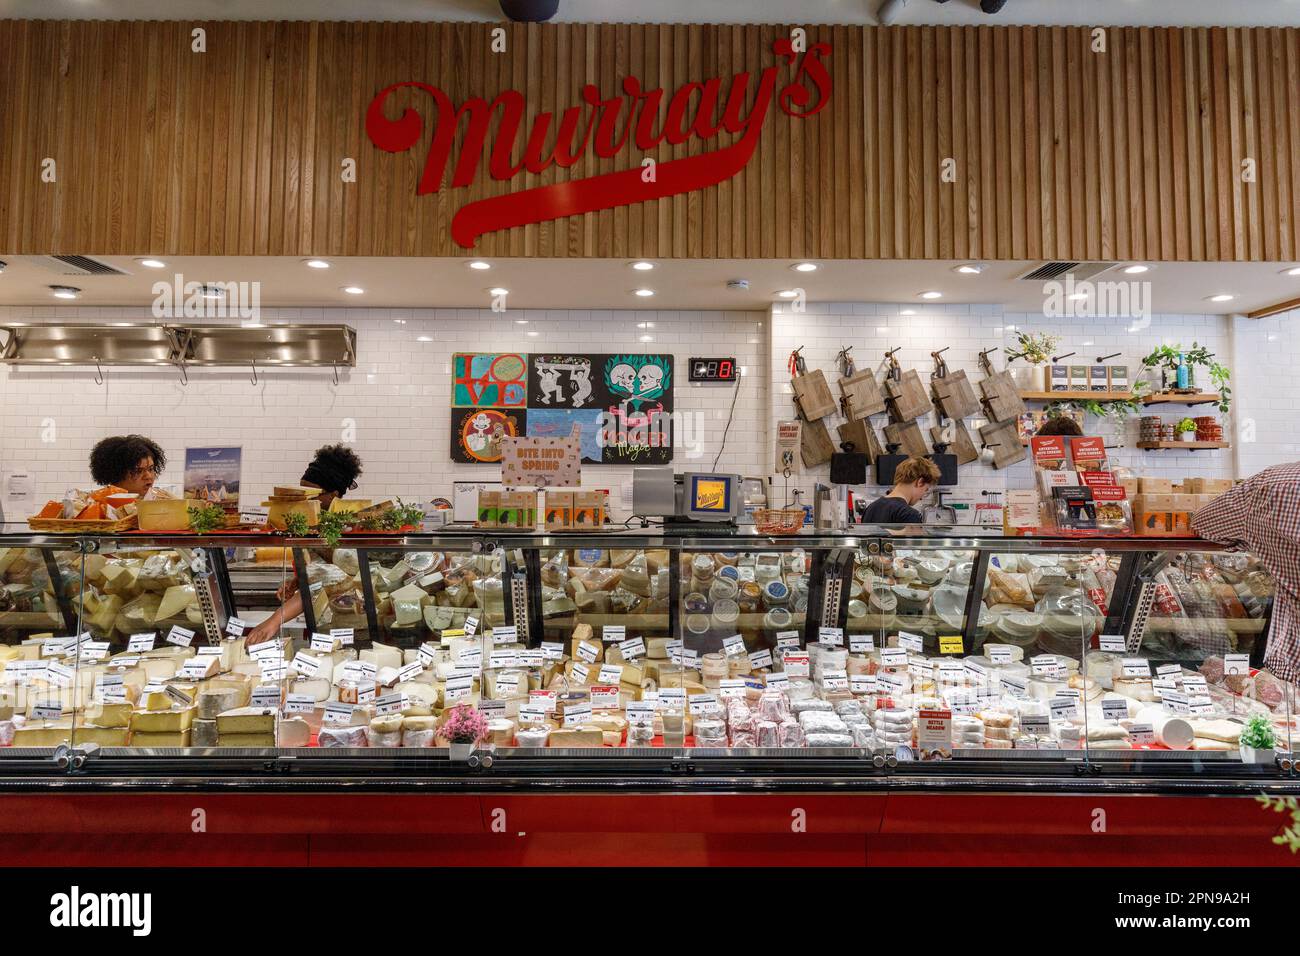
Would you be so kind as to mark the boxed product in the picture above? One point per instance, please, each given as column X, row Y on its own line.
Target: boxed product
column 489, row 508
column 1207, row 486
column 559, row 510
column 1098, row 378
column 1130, row 486
column 1078, row 378
column 1073, row 508
column 1088, row 452
column 518, row 510
column 1156, row 486
column 1060, row 378
column 1152, row 524
column 1118, row 378
column 588, row 510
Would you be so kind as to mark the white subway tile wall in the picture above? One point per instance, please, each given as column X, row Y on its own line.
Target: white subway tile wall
column 1268, row 394
column 393, row 408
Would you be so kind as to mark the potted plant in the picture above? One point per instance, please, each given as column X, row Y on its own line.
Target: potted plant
column 1165, row 360
column 463, row 726
column 1186, row 430
column 1035, row 348
column 1258, row 740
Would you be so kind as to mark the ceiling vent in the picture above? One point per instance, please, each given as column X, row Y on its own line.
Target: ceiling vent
column 1057, row 270
column 79, row 266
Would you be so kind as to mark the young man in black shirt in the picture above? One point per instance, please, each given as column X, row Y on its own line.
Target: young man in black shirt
column 912, row 482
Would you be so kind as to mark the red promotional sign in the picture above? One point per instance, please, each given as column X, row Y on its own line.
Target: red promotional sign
column 1087, row 448
column 606, row 125
column 1049, row 450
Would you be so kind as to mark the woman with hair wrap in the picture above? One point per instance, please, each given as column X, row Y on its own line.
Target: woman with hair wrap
column 334, row 471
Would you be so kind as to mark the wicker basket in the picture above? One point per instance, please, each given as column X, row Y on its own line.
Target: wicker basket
column 77, row 526
column 779, row 520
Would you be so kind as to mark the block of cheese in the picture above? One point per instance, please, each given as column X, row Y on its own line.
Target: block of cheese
column 333, row 735
column 387, row 724
column 104, row 736
column 162, row 721
column 212, row 702
column 245, row 740
column 421, row 697
column 585, row 735
column 172, row 739
column 7, row 730
column 1224, row 730
column 203, row 732
column 6, row 710
column 656, row 648
column 383, row 655
column 612, row 723
column 247, row 720
column 110, row 715
column 293, row 732
column 501, row 731
column 159, row 669
column 420, row 723
column 318, row 689
column 174, row 601
column 43, row 733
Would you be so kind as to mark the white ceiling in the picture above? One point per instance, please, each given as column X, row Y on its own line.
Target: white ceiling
column 1083, row 12
column 687, row 284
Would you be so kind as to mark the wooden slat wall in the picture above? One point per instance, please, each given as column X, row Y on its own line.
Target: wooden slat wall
column 1061, row 152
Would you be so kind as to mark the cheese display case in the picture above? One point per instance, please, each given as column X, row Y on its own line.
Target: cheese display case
column 870, row 659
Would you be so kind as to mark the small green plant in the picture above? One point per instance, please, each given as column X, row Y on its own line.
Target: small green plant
column 295, row 525
column 1290, row 835
column 400, row 516
column 208, row 519
column 1259, row 733
column 1185, row 426
column 1166, row 357
column 1036, row 348
column 1117, row 409
column 331, row 527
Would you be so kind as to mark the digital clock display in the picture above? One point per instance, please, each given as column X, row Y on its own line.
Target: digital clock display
column 713, row 370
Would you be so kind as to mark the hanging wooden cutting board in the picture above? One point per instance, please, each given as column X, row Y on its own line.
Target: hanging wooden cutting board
column 955, row 395
column 1004, row 440
column 1002, row 397
column 815, row 444
column 907, row 436
column 960, row 443
column 908, row 398
column 813, row 396
column 863, row 437
column 862, row 395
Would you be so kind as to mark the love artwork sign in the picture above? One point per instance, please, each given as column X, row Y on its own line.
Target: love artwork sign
column 607, row 126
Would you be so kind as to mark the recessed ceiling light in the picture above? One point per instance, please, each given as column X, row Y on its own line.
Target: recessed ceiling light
column 647, row 338
column 353, row 289
column 479, row 264
column 400, row 321
column 971, row 268
column 788, row 293
column 1077, row 295
column 65, row 291
column 645, row 325
column 315, row 263
column 152, row 263
column 1221, row 297
column 643, row 266
column 212, row 292
column 498, row 291
column 908, row 312
column 1136, row 269
column 644, row 293
column 521, row 321
column 1293, row 271
column 931, row 295
column 533, row 334
column 423, row 338
column 804, row 267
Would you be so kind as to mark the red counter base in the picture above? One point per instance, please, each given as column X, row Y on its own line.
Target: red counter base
column 370, row 829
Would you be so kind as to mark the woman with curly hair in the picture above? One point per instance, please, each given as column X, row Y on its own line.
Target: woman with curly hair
column 129, row 462
column 334, row 470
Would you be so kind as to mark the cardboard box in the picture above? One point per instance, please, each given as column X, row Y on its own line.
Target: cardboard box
column 1183, row 503
column 1207, row 486
column 1149, row 502
column 1060, row 378
column 1130, row 486
column 489, row 509
column 1078, row 378
column 1099, row 378
column 559, row 510
column 518, row 509
column 1156, row 486
column 1153, row 524
column 1118, row 375
column 588, row 510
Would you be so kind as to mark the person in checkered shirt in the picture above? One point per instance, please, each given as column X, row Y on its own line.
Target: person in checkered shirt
column 1262, row 515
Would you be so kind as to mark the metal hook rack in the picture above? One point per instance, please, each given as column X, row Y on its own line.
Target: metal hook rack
column 99, row 373
column 336, row 374
column 253, row 363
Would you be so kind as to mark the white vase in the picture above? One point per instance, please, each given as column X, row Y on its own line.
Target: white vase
column 1029, row 378
column 1187, row 436
column 1251, row 755
column 460, row 752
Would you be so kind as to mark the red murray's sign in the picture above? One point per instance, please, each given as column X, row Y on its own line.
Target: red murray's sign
column 606, row 125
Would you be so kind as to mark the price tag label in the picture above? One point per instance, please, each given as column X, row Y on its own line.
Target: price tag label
column 552, row 650
column 862, row 643
column 1142, row 734
column 890, row 682
column 457, row 688
column 577, row 714
column 1064, row 708
column 337, row 713
column 1178, row 703
column 139, row 643
column 235, row 627
column 94, row 651
column 1200, row 706
column 208, row 651
column 702, row 703
column 893, row 657
column 1046, row 667
column 921, row 667
column 795, row 663
column 862, row 683
column 604, row 697
column 910, row 642
column 830, row 636
column 470, row 658
column 1015, row 685
column 532, row 714
column 268, row 695
column 295, row 703
column 1112, row 709
column 59, row 675
column 731, row 687
column 963, row 702
column 672, row 698
column 178, row 695
column 344, row 635
column 579, row 671
column 271, row 648
column 531, row 658
column 471, row 626
column 391, row 704
column 760, row 659
column 305, row 665
column 1236, row 665
column 56, row 646
column 365, row 693
column 835, row 679
column 1035, row 725
column 1195, row 684
column 273, row 668
column 587, row 652
column 787, row 639
column 733, row 646
column 1000, row 654
column 427, row 654
column 195, row 668
column 322, row 642
column 180, row 636
column 1136, row 667
column 500, row 659
column 778, row 680
column 410, row 671
column 1163, row 685
column 951, row 644
column 1113, row 643
column 974, row 668
column 613, row 632
column 682, row 657
column 610, row 673
column 641, row 713
column 507, row 684
column 1171, row 671
column 124, row 662
column 632, row 648
column 48, row 710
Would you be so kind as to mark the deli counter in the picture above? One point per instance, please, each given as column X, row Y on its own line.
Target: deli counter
column 871, row 660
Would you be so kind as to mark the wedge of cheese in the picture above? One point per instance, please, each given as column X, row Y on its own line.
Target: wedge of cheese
column 293, row 732
column 109, row 715
column 245, row 740
column 173, row 739
column 214, row 701
column 585, row 735
column 383, row 655
column 162, row 721
column 246, row 720
column 43, row 733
